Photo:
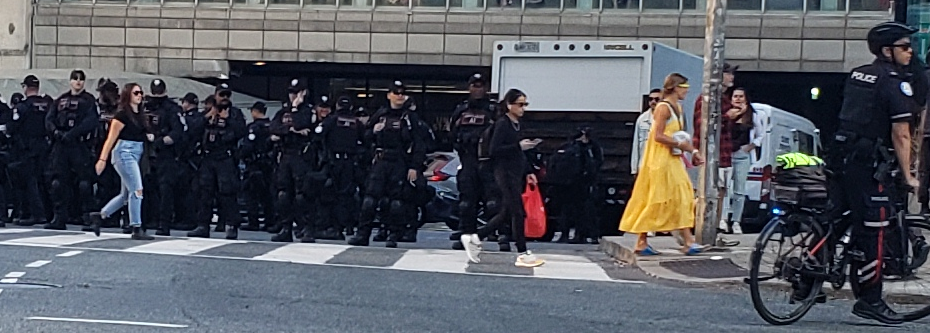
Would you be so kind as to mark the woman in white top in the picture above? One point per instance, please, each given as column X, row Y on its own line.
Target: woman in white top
column 746, row 134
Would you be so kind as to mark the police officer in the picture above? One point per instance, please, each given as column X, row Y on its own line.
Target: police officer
column 256, row 152
column 5, row 116
column 169, row 126
column 108, row 182
column 292, row 128
column 71, row 121
column 469, row 121
column 398, row 156
column 877, row 108
column 219, row 174
column 342, row 135
column 194, row 122
column 29, row 149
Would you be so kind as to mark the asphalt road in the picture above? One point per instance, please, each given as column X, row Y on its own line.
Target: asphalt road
column 170, row 293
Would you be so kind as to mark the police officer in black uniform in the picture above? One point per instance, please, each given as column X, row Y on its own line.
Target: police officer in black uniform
column 470, row 120
column 108, row 182
column 30, row 148
column 398, row 157
column 292, row 128
column 167, row 121
column 877, row 108
column 72, row 121
column 6, row 114
column 342, row 135
column 256, row 151
column 218, row 173
column 194, row 123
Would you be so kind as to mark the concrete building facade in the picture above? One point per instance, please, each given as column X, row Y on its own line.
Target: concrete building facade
column 188, row 38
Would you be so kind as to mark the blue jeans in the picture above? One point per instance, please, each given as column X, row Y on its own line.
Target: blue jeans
column 125, row 158
column 741, row 165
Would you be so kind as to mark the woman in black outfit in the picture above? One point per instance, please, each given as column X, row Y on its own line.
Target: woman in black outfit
column 511, row 173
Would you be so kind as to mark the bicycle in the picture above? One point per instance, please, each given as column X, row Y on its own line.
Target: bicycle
column 825, row 256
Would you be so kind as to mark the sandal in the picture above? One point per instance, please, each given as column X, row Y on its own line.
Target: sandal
column 694, row 249
column 648, row 251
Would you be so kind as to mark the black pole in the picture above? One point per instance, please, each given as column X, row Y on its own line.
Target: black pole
column 900, row 11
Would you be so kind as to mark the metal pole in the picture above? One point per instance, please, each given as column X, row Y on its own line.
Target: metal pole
column 712, row 91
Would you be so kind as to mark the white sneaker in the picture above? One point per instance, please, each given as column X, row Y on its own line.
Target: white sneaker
column 528, row 259
column 472, row 244
column 737, row 230
column 651, row 234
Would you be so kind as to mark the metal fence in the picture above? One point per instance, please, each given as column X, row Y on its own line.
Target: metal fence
column 673, row 6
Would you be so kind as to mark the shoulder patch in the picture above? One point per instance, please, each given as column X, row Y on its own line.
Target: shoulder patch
column 906, row 89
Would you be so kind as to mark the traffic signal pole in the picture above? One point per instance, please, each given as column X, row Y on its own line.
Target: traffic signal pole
column 707, row 211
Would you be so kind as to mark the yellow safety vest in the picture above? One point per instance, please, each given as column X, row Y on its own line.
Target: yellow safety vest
column 791, row 160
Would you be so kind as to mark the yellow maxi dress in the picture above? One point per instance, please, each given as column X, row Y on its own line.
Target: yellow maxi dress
column 663, row 197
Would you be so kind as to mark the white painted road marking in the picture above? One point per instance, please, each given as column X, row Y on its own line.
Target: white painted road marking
column 15, row 274
column 180, row 246
column 60, row 240
column 38, row 263
column 14, row 231
column 70, row 254
column 9, row 280
column 304, row 253
column 100, row 321
column 432, row 261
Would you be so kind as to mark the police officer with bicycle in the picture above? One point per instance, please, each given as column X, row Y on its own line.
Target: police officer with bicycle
column 878, row 106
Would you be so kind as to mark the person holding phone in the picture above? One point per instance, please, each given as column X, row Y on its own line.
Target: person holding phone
column 746, row 134
column 129, row 129
column 511, row 173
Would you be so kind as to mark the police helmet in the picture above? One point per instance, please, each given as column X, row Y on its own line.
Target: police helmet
column 886, row 34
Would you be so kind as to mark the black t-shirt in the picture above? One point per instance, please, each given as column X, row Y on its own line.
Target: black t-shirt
column 131, row 131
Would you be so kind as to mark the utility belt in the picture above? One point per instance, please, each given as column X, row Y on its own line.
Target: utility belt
column 341, row 156
column 393, row 155
column 217, row 153
column 866, row 150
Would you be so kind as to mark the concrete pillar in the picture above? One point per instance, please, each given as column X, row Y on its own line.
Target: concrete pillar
column 15, row 29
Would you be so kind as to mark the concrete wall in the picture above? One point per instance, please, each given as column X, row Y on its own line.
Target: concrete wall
column 15, row 28
column 188, row 41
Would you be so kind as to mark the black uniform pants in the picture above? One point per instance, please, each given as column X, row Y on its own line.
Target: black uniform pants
column 476, row 184
column 5, row 188
column 28, row 178
column 72, row 163
column 171, row 192
column 219, row 179
column 385, row 182
column 258, row 186
column 511, row 184
column 576, row 205
column 290, row 180
column 338, row 202
column 871, row 203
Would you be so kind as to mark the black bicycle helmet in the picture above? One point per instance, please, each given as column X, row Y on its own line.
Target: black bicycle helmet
column 886, row 34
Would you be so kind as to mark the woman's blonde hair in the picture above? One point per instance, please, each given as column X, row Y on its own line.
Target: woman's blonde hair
column 671, row 82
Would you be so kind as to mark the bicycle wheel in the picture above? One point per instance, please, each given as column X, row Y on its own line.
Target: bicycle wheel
column 907, row 294
column 783, row 308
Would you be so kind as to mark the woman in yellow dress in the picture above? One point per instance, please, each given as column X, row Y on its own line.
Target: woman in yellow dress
column 663, row 198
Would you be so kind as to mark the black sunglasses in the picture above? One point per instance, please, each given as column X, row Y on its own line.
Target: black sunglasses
column 654, row 99
column 78, row 78
column 137, row 93
column 224, row 93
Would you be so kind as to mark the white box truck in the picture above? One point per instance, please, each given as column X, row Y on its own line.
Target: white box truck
column 603, row 84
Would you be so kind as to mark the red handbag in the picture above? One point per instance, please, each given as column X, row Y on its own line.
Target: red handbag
column 535, row 224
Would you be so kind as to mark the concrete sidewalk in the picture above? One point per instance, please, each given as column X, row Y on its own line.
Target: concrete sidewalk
column 727, row 265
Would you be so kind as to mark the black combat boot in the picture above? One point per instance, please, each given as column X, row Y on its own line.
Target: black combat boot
column 138, row 234
column 286, row 234
column 307, row 234
column 220, row 227
column 232, row 232
column 503, row 243
column 382, row 234
column 96, row 220
column 361, row 237
column 202, row 231
column 58, row 223
column 877, row 311
column 409, row 235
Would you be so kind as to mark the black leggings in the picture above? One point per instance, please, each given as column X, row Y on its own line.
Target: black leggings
column 511, row 187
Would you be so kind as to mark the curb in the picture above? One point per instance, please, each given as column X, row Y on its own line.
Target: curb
column 654, row 270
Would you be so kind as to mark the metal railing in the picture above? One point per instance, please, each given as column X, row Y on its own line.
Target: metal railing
column 620, row 6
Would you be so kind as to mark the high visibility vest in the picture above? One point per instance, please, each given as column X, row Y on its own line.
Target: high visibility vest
column 791, row 160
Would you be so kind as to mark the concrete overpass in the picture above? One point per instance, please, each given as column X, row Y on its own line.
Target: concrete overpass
column 184, row 38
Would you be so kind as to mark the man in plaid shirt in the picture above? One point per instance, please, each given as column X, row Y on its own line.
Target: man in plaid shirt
column 724, row 146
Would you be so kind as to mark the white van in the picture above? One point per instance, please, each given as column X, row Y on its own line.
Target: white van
column 784, row 132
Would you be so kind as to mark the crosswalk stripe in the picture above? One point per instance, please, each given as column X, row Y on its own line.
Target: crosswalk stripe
column 303, row 253
column 570, row 267
column 185, row 246
column 60, row 240
column 433, row 261
column 14, row 231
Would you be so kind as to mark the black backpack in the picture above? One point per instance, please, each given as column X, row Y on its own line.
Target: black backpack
column 565, row 165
